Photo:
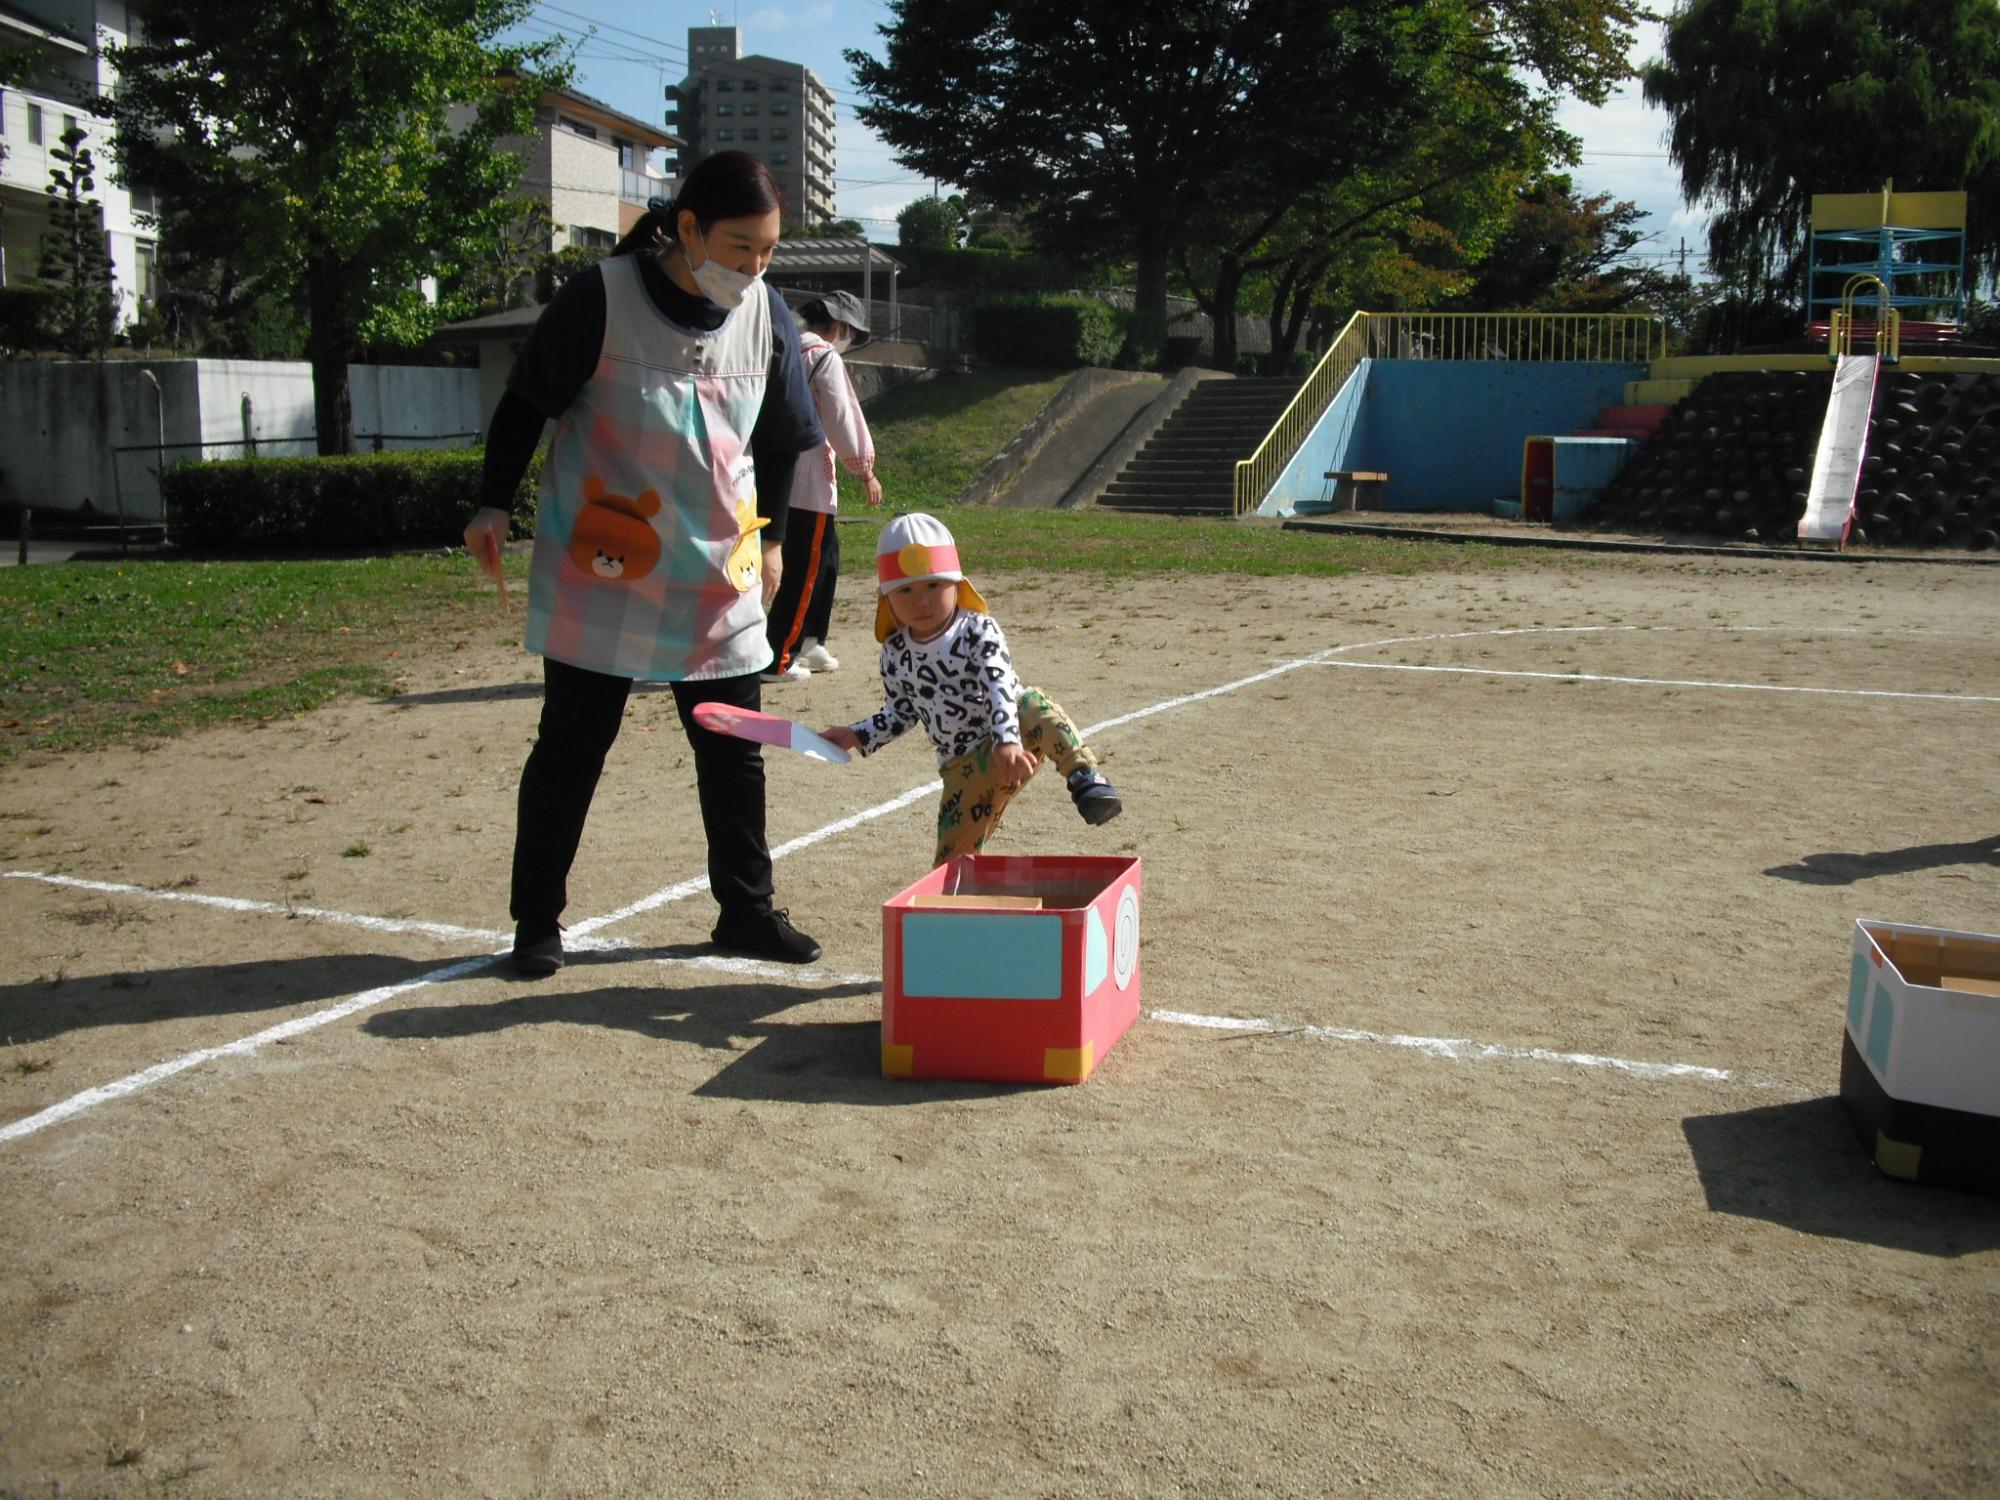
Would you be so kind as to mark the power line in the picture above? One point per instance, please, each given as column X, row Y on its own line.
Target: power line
column 667, row 53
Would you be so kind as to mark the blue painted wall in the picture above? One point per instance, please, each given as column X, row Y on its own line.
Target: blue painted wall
column 1448, row 433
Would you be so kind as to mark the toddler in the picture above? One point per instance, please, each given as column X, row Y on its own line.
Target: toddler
column 945, row 665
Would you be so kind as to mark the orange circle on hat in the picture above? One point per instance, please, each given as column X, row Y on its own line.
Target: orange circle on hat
column 914, row 559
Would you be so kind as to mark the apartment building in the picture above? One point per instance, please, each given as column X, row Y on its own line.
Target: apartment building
column 64, row 42
column 773, row 109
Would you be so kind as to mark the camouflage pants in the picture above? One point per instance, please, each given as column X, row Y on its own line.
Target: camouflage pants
column 974, row 799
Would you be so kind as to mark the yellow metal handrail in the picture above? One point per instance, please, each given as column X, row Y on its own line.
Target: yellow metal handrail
column 1611, row 338
column 1888, row 320
column 1256, row 474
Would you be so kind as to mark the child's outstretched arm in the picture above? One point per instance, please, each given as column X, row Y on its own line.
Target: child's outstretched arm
column 872, row 733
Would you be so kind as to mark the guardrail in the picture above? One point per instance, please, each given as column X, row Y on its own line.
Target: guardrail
column 1610, row 338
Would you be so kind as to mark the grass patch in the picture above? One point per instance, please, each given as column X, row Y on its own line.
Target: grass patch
column 106, row 652
column 97, row 652
column 931, row 437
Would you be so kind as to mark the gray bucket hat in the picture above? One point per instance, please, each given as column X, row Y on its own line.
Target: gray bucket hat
column 839, row 307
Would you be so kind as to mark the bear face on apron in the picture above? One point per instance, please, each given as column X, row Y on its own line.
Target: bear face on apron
column 647, row 554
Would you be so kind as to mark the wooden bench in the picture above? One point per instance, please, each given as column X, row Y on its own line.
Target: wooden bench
column 1353, row 489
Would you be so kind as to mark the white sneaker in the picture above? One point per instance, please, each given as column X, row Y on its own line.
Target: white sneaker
column 816, row 658
column 793, row 673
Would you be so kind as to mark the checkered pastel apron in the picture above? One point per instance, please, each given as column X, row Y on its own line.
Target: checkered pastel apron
column 647, row 557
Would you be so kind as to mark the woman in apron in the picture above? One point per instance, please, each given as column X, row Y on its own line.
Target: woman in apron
column 672, row 374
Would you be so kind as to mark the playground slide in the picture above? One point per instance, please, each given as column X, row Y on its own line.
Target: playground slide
column 1843, row 438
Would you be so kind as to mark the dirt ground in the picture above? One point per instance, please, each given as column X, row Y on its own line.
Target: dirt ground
column 1527, row 1175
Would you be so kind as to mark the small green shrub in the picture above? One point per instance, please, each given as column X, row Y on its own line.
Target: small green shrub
column 27, row 317
column 367, row 500
column 1046, row 331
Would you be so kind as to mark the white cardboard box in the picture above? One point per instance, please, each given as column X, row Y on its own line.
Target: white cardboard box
column 1920, row 1070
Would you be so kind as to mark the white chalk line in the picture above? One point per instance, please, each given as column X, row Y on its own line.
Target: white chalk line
column 1452, row 1049
column 353, row 1005
column 443, row 931
column 1455, row 1049
column 1674, row 682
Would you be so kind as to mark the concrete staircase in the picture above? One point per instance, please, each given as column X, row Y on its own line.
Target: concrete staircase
column 1188, row 467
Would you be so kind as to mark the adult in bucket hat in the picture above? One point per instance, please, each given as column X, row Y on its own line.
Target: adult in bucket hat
column 801, row 614
column 945, row 665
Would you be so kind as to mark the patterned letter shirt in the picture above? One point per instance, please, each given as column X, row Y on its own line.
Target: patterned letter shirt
column 961, row 687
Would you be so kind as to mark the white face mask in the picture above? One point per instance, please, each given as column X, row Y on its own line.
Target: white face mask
column 722, row 286
column 840, row 340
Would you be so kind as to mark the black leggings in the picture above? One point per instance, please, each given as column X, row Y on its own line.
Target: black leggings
column 581, row 712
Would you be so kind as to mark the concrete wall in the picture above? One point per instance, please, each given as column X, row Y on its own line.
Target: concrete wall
column 1448, row 433
column 1334, row 443
column 584, row 186
column 63, row 422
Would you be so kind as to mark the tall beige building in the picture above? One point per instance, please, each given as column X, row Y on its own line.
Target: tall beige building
column 773, row 109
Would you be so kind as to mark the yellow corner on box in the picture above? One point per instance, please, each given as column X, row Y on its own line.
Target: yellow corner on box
column 1897, row 1158
column 899, row 1060
column 1066, row 1064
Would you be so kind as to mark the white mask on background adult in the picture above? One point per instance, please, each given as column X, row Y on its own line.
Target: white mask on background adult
column 841, row 338
column 722, row 286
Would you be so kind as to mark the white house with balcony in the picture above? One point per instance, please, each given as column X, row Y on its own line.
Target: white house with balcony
column 64, row 41
column 591, row 164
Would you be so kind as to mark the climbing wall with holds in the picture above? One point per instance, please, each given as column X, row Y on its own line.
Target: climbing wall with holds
column 1931, row 477
column 1733, row 461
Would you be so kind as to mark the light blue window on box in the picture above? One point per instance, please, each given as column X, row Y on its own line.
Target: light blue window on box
column 982, row 957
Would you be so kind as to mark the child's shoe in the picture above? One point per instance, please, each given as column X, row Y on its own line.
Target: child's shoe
column 796, row 672
column 1094, row 796
column 815, row 657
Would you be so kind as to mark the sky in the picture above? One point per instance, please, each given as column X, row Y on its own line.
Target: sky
column 628, row 54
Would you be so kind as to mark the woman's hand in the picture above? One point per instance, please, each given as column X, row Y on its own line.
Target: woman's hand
column 842, row 736
column 874, row 488
column 485, row 534
column 774, row 571
column 1014, row 764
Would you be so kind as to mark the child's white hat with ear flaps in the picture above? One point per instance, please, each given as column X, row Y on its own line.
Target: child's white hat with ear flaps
column 911, row 548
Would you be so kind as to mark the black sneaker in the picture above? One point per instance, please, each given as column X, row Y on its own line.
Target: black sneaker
column 765, row 934
column 1095, row 798
column 538, row 951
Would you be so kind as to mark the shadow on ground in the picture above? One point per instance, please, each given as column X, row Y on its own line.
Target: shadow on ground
column 799, row 1061
column 1845, row 869
column 1800, row 1166
column 47, row 1008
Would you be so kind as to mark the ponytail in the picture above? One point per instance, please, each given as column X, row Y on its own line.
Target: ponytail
column 653, row 232
column 725, row 185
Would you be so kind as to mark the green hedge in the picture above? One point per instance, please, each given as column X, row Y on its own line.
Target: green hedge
column 421, row 498
column 27, row 317
column 1048, row 331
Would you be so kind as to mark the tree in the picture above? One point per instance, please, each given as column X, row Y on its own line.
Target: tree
column 931, row 223
column 1187, row 102
column 825, row 229
column 1772, row 101
column 1562, row 253
column 505, row 271
column 75, row 261
column 348, row 147
column 1395, row 228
